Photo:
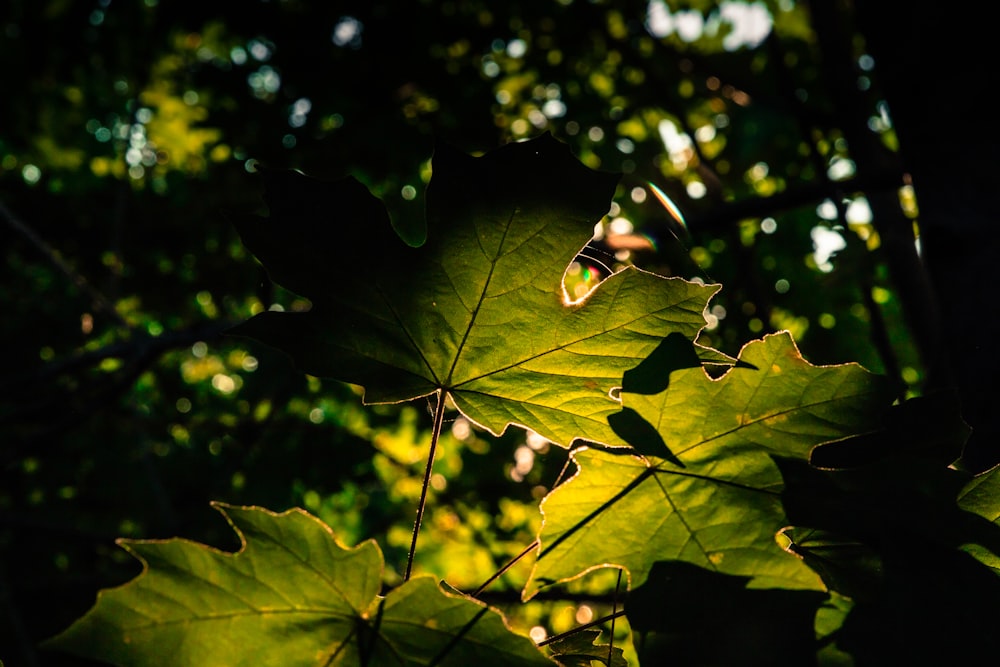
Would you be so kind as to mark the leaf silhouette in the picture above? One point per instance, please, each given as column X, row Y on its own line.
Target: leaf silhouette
column 479, row 311
column 291, row 596
column 719, row 505
column 919, row 567
column 687, row 615
column 581, row 650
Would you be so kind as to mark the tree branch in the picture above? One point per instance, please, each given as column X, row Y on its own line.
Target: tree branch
column 98, row 300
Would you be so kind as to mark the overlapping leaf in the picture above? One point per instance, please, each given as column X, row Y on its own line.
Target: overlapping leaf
column 712, row 497
column 687, row 615
column 982, row 495
column 582, row 650
column 478, row 311
column 291, row 596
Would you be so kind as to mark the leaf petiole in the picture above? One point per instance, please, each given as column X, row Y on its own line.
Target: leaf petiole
column 527, row 550
column 569, row 633
column 435, row 435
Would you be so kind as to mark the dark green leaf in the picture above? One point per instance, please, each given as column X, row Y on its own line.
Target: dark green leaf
column 981, row 496
column 688, row 615
column 581, row 650
column 927, row 427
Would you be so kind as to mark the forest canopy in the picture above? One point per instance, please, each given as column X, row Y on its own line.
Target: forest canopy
column 756, row 185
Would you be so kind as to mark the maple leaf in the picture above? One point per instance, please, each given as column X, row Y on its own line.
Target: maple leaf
column 291, row 596
column 479, row 311
column 712, row 497
column 687, row 615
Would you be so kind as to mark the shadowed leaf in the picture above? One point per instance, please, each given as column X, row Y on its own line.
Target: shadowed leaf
column 687, row 615
column 929, row 427
column 920, row 568
column 581, row 650
column 981, row 496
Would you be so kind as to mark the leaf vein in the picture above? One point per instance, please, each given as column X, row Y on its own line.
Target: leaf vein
column 482, row 296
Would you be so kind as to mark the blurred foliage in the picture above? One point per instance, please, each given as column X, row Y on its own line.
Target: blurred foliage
column 131, row 129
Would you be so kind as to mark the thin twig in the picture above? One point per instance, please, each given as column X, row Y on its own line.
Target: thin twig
column 435, row 435
column 528, row 549
column 513, row 596
column 506, row 567
column 614, row 610
column 569, row 633
column 98, row 300
column 456, row 638
column 138, row 354
column 135, row 347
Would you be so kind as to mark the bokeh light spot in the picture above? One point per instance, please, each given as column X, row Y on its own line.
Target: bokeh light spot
column 223, row 383
column 516, row 48
column 347, row 32
column 31, row 174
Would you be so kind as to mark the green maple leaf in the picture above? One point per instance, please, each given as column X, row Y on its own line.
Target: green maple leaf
column 479, row 311
column 291, row 596
column 706, row 491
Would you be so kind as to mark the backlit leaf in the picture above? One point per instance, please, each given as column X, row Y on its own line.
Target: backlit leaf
column 712, row 496
column 478, row 311
column 291, row 596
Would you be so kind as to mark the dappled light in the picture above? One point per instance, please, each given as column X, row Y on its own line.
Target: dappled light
column 347, row 32
column 826, row 243
column 580, row 279
column 743, row 24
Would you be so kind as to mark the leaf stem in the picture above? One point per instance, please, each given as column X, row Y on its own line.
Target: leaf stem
column 527, row 550
column 614, row 611
column 435, row 435
column 569, row 633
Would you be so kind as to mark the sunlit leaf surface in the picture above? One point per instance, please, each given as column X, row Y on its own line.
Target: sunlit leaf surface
column 479, row 310
column 715, row 502
column 291, row 596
